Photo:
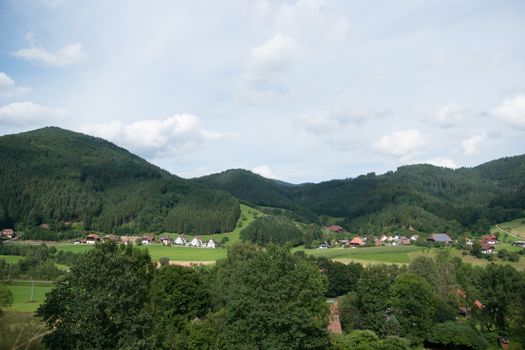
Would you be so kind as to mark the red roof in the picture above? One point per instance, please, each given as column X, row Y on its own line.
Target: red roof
column 357, row 241
column 478, row 304
column 335, row 228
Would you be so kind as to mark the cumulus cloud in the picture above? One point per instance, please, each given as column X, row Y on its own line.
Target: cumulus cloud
column 68, row 55
column 265, row 171
column 512, row 110
column 8, row 87
column 401, row 143
column 156, row 138
column 471, row 146
column 442, row 162
column 271, row 58
column 450, row 115
column 28, row 113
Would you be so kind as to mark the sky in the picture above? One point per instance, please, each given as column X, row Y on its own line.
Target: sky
column 301, row 91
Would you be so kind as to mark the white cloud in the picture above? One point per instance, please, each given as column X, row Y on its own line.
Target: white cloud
column 442, row 162
column 5, row 80
column 157, row 138
column 28, row 113
column 471, row 146
column 271, row 58
column 265, row 171
column 8, row 87
column 512, row 110
column 69, row 54
column 401, row 143
column 450, row 115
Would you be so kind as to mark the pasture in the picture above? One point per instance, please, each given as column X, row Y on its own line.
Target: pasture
column 392, row 254
column 11, row 259
column 22, row 295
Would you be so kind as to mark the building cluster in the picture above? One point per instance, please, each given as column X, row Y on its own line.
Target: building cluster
column 7, row 233
column 181, row 241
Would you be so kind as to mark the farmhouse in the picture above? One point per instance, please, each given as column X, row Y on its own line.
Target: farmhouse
column 210, row 244
column 404, row 240
column 335, row 228
column 440, row 238
column 180, row 240
column 378, row 242
column 195, row 242
column 487, row 248
column 414, row 238
column 147, row 240
column 165, row 241
column 490, row 239
column 92, row 238
column 356, row 242
column 8, row 233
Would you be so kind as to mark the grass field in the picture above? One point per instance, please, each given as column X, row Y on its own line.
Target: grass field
column 393, row 254
column 515, row 228
column 11, row 259
column 22, row 295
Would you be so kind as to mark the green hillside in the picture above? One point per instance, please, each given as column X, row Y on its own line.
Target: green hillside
column 62, row 180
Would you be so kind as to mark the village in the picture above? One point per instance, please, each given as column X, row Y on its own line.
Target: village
column 180, row 241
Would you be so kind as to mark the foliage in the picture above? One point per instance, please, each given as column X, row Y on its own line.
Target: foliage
column 271, row 299
column 458, row 335
column 270, row 229
column 100, row 304
column 342, row 278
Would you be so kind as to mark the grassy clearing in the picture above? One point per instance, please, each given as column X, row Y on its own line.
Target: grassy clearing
column 394, row 254
column 515, row 227
column 158, row 251
column 22, row 295
column 11, row 259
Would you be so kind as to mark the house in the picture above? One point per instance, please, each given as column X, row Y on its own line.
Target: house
column 165, row 240
column 404, row 240
column 356, row 242
column 335, row 228
column 378, row 242
column 210, row 244
column 478, row 305
column 343, row 242
column 489, row 239
column 487, row 248
column 519, row 244
column 383, row 238
column 112, row 238
column 324, row 245
column 8, row 233
column 414, row 238
column 92, row 238
column 146, row 240
column 395, row 238
column 180, row 240
column 128, row 239
column 195, row 242
column 440, row 238
column 468, row 242
column 389, row 238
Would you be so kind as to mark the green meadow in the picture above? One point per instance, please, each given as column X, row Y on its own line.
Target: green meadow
column 22, row 295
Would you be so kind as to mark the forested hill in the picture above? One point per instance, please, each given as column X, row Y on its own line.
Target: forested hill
column 421, row 197
column 56, row 178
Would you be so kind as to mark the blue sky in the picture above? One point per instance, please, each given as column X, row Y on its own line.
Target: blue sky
column 304, row 90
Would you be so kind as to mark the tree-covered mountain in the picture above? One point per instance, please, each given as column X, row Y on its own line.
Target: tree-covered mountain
column 420, row 197
column 52, row 177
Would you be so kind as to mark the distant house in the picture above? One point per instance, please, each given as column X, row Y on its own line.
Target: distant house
column 389, row 238
column 92, row 238
column 210, row 244
column 378, row 242
column 519, row 244
column 356, row 242
column 404, row 240
column 147, row 240
column 489, row 239
column 180, row 241
column 128, row 239
column 195, row 242
column 8, row 233
column 335, row 228
column 478, row 305
column 487, row 248
column 440, row 238
column 468, row 242
column 414, row 238
column 112, row 238
column 324, row 245
column 383, row 238
column 165, row 241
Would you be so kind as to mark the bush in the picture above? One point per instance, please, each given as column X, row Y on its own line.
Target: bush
column 456, row 334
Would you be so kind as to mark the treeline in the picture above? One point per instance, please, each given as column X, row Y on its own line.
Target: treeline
column 280, row 230
column 64, row 182
column 269, row 298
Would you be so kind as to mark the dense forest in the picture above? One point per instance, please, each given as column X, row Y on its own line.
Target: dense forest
column 425, row 198
column 54, row 181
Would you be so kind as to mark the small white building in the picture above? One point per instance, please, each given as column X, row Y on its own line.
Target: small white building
column 210, row 244
column 146, row 240
column 195, row 242
column 180, row 241
column 165, row 241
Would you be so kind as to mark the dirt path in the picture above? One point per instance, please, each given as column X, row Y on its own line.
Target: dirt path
column 510, row 234
column 191, row 263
